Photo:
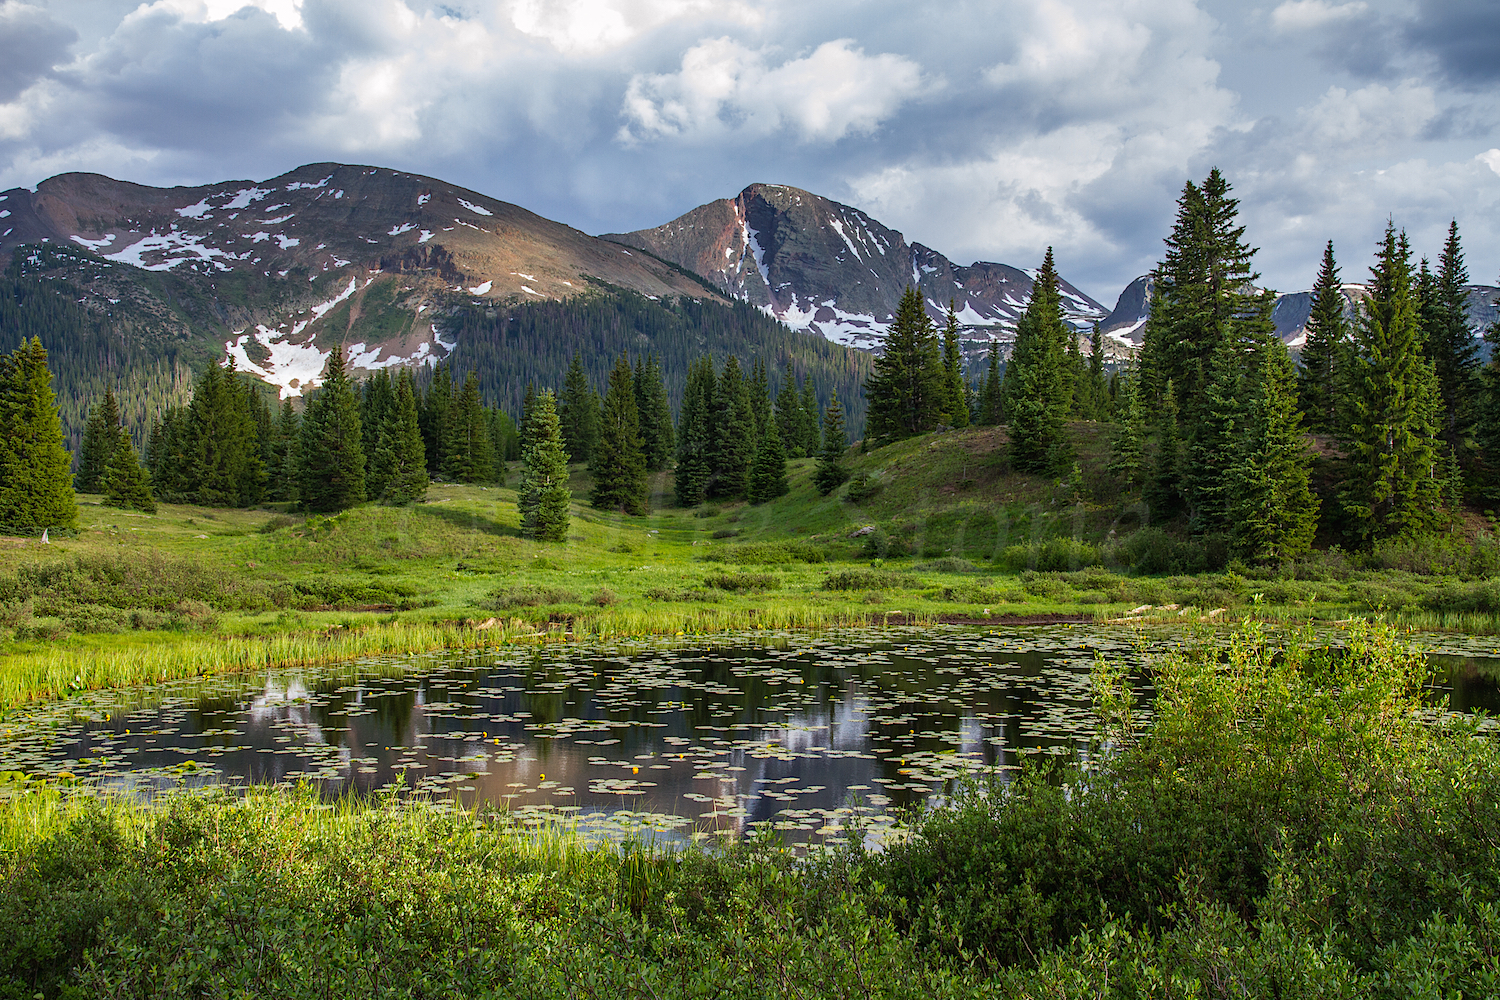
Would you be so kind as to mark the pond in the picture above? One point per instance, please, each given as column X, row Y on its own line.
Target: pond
column 797, row 733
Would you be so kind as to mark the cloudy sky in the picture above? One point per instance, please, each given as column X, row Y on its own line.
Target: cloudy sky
column 986, row 129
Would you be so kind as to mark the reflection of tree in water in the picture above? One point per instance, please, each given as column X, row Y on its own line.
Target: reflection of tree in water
column 1475, row 682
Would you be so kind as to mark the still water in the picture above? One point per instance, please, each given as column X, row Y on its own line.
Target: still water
column 798, row 733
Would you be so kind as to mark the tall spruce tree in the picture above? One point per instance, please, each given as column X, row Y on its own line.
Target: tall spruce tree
column 991, row 397
column 1127, row 446
column 789, row 415
column 1273, row 511
column 100, row 441
column 1451, row 346
column 331, row 458
column 1039, row 383
column 377, row 398
column 768, row 470
column 543, row 495
column 1163, row 487
column 1487, row 429
column 1327, row 333
column 905, row 392
column 956, row 402
column 578, row 412
column 281, row 456
column 695, row 437
column 1094, row 397
column 759, row 387
column 400, row 453
column 1389, row 425
column 36, row 479
column 618, row 466
column 831, row 473
column 125, row 484
column 470, row 455
column 225, row 468
column 436, row 414
column 807, row 417
column 1212, row 444
column 658, row 441
column 734, row 434
column 168, row 457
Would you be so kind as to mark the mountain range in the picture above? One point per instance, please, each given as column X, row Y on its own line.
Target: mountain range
column 394, row 266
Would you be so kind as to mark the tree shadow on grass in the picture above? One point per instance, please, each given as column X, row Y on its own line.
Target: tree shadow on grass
column 466, row 519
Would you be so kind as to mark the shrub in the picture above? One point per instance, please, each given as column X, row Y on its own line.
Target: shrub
column 771, row 554
column 690, row 594
column 862, row 487
column 725, row 533
column 947, row 564
column 277, row 523
column 529, row 596
column 1154, row 552
column 711, row 511
column 868, row 579
column 742, row 582
column 604, row 597
column 1050, row 556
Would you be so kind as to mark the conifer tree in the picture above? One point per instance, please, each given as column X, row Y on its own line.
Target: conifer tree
column 1127, row 447
column 543, row 495
column 377, row 400
column 1274, row 513
column 807, row 418
column 695, row 440
column 1163, row 486
column 100, row 441
column 1450, row 344
column 957, row 402
column 168, row 456
column 280, row 456
column 768, row 470
column 331, row 450
column 470, row 456
column 578, row 412
column 991, row 407
column 125, row 484
column 36, row 479
column 789, row 416
column 830, row 473
column 618, row 466
column 759, row 387
column 1039, row 384
column 1213, row 443
column 1327, row 333
column 1095, row 394
column 1390, row 420
column 658, row 441
column 437, row 406
column 225, row 468
column 734, row 434
column 400, row 453
column 1487, row 429
column 905, row 392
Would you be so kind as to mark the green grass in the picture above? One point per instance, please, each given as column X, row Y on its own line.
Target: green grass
column 951, row 534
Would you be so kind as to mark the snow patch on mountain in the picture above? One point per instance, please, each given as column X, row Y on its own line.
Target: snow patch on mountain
column 174, row 248
column 476, row 209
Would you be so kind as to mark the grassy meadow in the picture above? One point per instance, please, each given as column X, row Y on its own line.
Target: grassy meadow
column 933, row 528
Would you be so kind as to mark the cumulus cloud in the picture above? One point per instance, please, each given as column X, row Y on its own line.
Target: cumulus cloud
column 987, row 130
column 724, row 88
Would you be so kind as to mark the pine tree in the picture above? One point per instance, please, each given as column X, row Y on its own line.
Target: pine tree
column 956, row 407
column 695, row 440
column 168, row 457
column 768, row 470
column 807, row 418
column 1390, row 419
column 331, row 459
column 578, row 412
column 759, row 387
column 1326, row 336
column 125, row 484
column 734, row 434
column 789, row 416
column 1162, row 490
column 905, row 391
column 830, row 473
column 437, row 407
column 401, row 452
column 377, row 400
column 618, row 466
column 1039, row 383
column 225, row 468
column 1450, row 344
column 100, row 441
column 1095, row 393
column 544, row 495
column 1213, row 443
column 657, row 439
column 281, row 460
column 36, row 479
column 1127, row 447
column 991, row 406
column 1274, row 512
column 1487, row 430
column 469, row 456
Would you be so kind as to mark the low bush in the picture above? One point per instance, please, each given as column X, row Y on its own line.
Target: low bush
column 771, row 554
column 862, row 487
column 1051, row 556
column 604, row 597
column 742, row 582
column 947, row 564
column 529, row 596
column 1154, row 552
column 670, row 594
column 869, row 579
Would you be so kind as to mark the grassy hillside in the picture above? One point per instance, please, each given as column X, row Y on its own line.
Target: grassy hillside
column 947, row 533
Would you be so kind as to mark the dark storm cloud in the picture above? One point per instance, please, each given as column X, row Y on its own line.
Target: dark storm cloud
column 31, row 44
column 1463, row 38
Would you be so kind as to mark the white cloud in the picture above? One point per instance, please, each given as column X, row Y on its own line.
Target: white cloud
column 725, row 88
column 1311, row 15
column 587, row 27
column 288, row 13
column 1370, row 118
column 1491, row 159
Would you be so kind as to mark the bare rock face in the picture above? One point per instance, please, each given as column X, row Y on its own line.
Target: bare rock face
column 281, row 270
column 830, row 269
